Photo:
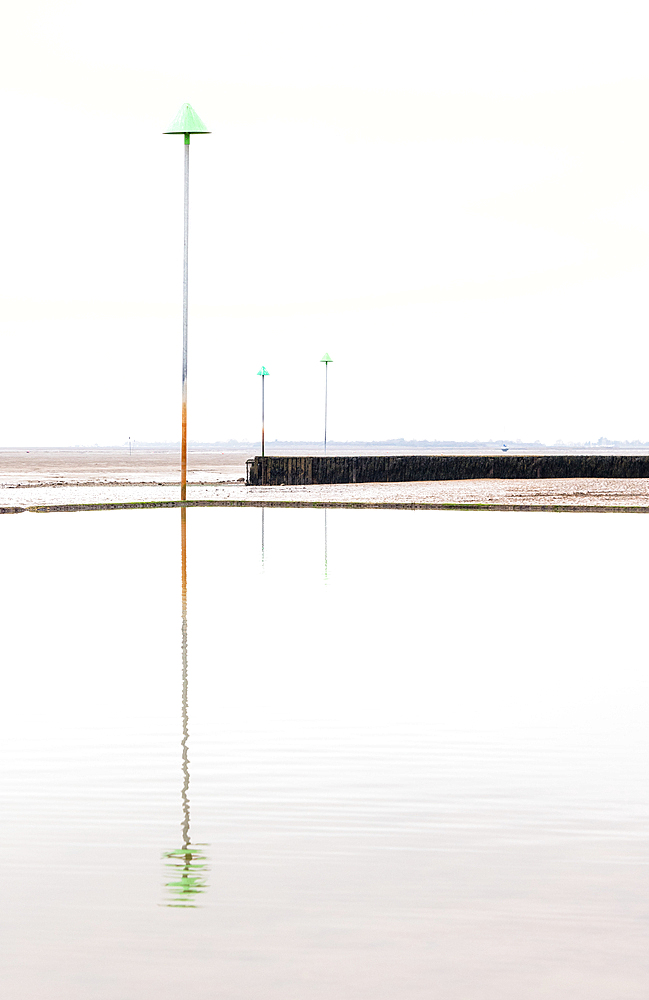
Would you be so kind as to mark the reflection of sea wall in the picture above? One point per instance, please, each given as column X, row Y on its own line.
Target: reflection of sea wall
column 305, row 470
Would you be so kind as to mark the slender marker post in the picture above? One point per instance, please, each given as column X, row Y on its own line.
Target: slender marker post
column 185, row 123
column 327, row 361
column 262, row 371
column 183, row 419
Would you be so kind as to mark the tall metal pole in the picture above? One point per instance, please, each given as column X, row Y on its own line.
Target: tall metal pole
column 263, row 462
column 185, row 123
column 325, row 437
column 183, row 444
column 262, row 371
column 262, row 414
column 327, row 361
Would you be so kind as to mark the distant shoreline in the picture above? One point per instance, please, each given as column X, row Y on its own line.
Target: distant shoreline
column 393, row 447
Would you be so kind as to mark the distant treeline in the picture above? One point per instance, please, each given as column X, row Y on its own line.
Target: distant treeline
column 413, row 442
column 388, row 442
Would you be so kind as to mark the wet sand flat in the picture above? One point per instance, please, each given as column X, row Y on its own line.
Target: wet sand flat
column 91, row 476
column 89, row 466
column 564, row 493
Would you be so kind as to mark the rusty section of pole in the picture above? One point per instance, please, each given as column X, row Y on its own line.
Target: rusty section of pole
column 183, row 443
column 183, row 576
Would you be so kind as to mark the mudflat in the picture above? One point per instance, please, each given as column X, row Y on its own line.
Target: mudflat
column 152, row 474
column 88, row 466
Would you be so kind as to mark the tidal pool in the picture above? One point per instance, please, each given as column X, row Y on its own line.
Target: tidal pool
column 362, row 754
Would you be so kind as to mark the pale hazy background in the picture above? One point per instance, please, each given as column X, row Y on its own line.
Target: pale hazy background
column 452, row 199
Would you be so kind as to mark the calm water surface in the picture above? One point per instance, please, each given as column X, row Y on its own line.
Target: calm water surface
column 395, row 755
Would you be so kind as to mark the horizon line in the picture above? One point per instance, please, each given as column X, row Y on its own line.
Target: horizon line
column 232, row 443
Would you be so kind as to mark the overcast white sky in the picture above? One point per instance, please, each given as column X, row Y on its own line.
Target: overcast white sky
column 452, row 199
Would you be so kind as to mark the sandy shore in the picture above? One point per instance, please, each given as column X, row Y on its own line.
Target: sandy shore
column 115, row 466
column 574, row 493
column 90, row 476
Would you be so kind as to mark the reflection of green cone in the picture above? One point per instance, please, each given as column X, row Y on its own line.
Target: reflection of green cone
column 188, row 865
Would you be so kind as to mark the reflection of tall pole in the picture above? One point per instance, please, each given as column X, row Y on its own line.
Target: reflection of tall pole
column 325, row 544
column 263, row 509
column 185, row 123
column 327, row 362
column 185, row 704
column 187, row 863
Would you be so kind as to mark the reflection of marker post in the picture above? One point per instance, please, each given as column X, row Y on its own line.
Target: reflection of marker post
column 262, row 371
column 187, row 865
column 185, row 123
column 327, row 361
column 183, row 646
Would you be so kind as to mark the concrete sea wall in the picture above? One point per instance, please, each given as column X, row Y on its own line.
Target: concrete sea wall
column 278, row 470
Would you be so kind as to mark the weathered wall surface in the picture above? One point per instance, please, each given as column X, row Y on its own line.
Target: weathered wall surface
column 304, row 471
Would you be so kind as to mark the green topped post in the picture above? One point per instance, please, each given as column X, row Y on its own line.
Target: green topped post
column 185, row 123
column 327, row 361
column 262, row 371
